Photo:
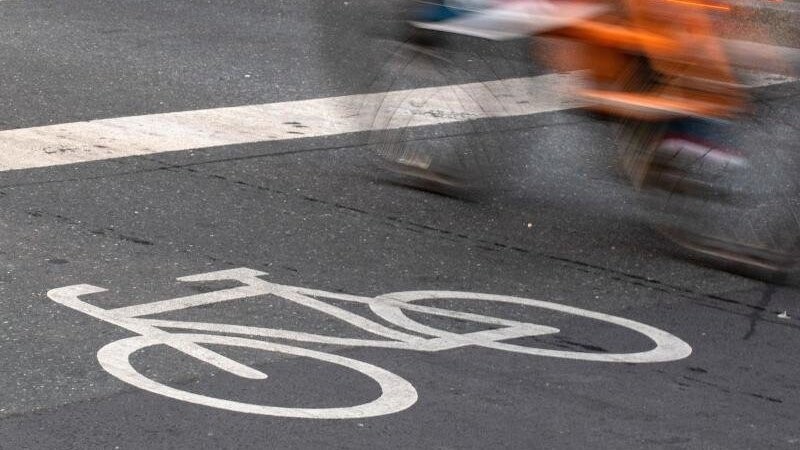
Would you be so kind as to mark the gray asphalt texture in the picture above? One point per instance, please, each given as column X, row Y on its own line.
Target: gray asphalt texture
column 550, row 220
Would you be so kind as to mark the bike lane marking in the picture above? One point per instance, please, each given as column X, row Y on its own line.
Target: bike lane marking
column 397, row 394
column 102, row 139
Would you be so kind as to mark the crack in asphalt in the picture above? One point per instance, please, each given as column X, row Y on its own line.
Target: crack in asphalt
column 729, row 391
column 110, row 231
column 766, row 298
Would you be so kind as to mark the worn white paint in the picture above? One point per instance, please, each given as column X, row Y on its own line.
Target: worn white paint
column 396, row 395
column 157, row 133
column 94, row 140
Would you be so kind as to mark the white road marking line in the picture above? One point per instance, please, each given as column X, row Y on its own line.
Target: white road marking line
column 120, row 137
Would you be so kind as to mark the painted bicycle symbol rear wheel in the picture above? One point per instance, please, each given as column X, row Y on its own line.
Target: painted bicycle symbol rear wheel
column 397, row 394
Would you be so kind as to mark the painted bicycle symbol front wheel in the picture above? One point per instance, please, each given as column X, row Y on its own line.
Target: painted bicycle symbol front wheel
column 390, row 307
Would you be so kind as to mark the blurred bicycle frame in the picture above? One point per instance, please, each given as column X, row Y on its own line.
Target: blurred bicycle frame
column 646, row 71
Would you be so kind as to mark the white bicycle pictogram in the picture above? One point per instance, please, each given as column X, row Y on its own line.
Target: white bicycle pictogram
column 397, row 394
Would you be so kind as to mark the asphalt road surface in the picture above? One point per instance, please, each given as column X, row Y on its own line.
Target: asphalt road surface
column 133, row 155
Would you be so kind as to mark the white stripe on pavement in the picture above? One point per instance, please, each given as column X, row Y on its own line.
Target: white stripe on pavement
column 157, row 133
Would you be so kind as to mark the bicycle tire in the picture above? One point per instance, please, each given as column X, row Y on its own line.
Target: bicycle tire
column 421, row 82
column 713, row 213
